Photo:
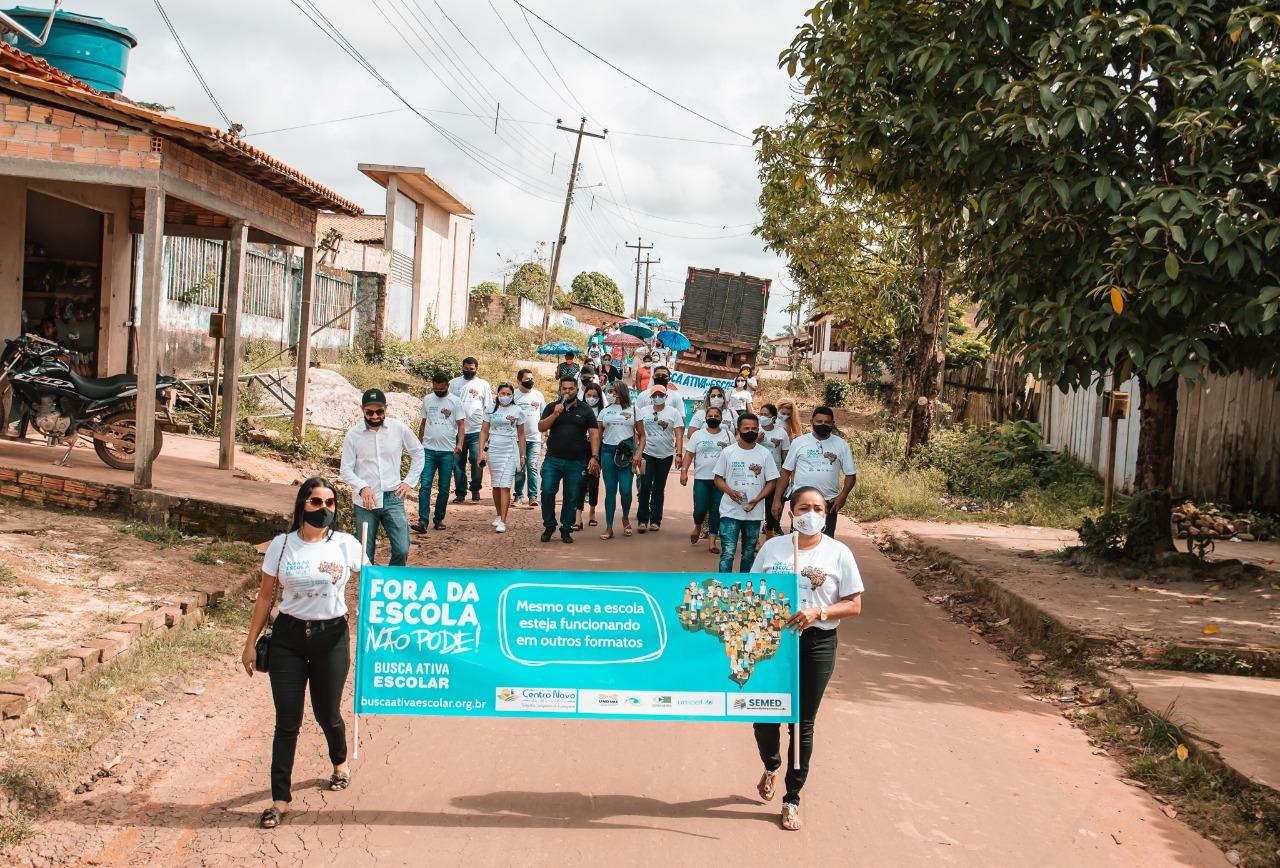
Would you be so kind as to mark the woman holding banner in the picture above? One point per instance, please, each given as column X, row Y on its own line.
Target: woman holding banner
column 830, row 590
column 307, row 647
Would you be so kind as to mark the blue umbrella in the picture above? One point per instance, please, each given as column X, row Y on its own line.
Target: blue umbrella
column 637, row 329
column 673, row 323
column 674, row 341
column 557, row 348
column 652, row 320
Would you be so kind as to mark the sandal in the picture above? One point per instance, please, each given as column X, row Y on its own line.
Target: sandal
column 768, row 786
column 790, row 817
column 577, row 527
column 608, row 534
column 715, row 545
column 593, row 523
column 695, row 536
column 271, row 818
column 644, row 528
column 626, row 529
column 339, row 781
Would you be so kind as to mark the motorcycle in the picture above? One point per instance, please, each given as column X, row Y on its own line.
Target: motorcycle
column 65, row 407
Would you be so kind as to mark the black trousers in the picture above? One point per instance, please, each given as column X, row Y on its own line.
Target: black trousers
column 321, row 660
column 653, row 489
column 832, row 515
column 817, row 662
column 588, row 490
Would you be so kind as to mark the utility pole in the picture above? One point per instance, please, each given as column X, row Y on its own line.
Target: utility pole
column 672, row 305
column 639, row 245
column 647, row 263
column 564, row 220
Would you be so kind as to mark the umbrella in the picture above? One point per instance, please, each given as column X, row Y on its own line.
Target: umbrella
column 673, row 323
column 674, row 341
column 651, row 321
column 637, row 329
column 623, row 340
column 557, row 348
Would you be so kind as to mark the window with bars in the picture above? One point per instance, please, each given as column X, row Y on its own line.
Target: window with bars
column 266, row 279
column 193, row 270
column 332, row 296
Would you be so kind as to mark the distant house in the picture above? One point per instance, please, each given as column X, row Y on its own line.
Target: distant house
column 781, row 347
column 830, row 348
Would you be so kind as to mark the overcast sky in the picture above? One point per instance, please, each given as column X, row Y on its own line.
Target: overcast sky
column 271, row 68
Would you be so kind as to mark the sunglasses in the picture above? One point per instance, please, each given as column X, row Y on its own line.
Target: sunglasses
column 318, row 502
column 375, row 412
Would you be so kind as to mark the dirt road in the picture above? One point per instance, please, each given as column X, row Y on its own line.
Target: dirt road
column 928, row 753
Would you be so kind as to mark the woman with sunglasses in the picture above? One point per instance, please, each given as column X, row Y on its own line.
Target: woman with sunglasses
column 310, row 565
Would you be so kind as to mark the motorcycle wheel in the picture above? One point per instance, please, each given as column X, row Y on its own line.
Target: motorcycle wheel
column 123, row 424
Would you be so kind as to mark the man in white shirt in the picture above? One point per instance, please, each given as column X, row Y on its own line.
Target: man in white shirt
column 442, row 431
column 818, row 459
column 746, row 473
column 531, row 401
column 477, row 399
column 371, row 457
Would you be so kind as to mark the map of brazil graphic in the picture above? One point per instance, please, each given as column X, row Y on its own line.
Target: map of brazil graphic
column 747, row 617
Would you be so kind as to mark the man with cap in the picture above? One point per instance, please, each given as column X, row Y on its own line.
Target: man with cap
column 372, row 453
column 476, row 396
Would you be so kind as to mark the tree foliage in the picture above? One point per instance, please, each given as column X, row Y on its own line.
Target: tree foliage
column 486, row 287
column 597, row 290
column 530, row 281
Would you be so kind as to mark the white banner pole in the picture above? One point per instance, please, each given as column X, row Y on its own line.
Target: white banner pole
column 364, row 536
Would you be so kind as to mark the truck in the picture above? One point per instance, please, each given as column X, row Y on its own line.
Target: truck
column 723, row 317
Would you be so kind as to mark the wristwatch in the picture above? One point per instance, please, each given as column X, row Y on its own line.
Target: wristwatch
column 822, row 613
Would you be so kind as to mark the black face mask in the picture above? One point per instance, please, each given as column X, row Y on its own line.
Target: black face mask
column 749, row 436
column 321, row 518
column 374, row 423
column 526, row 384
column 662, row 379
column 440, row 393
column 468, row 375
column 713, row 424
column 822, row 431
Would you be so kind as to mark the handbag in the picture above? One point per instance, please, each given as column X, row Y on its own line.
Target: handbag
column 262, row 648
column 622, row 455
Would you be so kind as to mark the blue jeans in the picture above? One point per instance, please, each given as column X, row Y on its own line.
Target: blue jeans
column 553, row 471
column 470, row 456
column 706, row 504
column 393, row 520
column 617, row 480
column 437, row 465
column 532, row 452
column 729, row 530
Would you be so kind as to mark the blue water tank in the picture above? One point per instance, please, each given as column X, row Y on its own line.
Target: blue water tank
column 87, row 47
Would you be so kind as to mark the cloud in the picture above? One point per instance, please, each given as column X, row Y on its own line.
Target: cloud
column 271, row 68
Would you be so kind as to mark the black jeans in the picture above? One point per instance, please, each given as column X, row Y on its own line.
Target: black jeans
column 322, row 659
column 817, row 661
column 653, row 489
column 832, row 515
column 588, row 490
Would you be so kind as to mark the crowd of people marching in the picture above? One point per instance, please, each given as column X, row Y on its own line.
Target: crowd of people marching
column 614, row 419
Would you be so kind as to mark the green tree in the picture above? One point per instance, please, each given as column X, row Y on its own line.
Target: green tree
column 530, row 281
column 1108, row 168
column 487, row 287
column 597, row 290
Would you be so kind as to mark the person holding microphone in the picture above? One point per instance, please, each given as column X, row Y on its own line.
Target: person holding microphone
column 573, row 444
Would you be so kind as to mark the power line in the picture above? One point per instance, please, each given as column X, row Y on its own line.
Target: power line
column 173, row 31
column 520, row 45
column 552, row 63
column 628, row 75
column 329, row 121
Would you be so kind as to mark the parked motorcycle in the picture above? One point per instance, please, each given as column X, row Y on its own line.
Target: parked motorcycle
column 65, row 407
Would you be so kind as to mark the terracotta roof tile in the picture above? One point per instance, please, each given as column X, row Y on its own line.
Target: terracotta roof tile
column 362, row 229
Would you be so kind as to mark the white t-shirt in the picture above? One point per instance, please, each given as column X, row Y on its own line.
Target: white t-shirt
column 502, row 424
column 673, row 399
column 746, row 470
column 828, row 571
column 706, row 448
column 660, row 430
column 739, row 399
column 313, row 575
column 531, row 403
column 619, row 424
column 442, row 416
column 476, row 397
column 728, row 420
column 775, row 439
column 819, row 463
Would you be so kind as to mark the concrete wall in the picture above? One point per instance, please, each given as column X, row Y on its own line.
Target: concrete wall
column 500, row 309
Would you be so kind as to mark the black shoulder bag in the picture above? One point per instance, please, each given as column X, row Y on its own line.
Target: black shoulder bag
column 262, row 648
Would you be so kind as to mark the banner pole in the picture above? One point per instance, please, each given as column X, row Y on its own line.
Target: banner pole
column 364, row 536
column 795, row 728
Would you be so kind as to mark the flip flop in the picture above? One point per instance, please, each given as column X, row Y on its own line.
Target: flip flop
column 593, row 523
column 626, row 530
column 339, row 781
column 271, row 818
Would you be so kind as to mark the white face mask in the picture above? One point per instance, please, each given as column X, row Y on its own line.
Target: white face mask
column 659, row 401
column 504, row 400
column 809, row 523
column 717, row 402
column 766, row 421
column 784, row 416
column 740, row 385
column 593, row 401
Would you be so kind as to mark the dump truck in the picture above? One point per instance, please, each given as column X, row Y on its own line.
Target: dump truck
column 723, row 317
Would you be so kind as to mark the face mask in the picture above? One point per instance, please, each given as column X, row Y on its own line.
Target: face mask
column 504, row 400
column 822, row 431
column 784, row 416
column 740, row 385
column 713, row 424
column 749, row 436
column 659, row 401
column 717, row 402
column 319, row 517
column 440, row 393
column 468, row 375
column 661, row 379
column 766, row 421
column 809, row 523
column 526, row 384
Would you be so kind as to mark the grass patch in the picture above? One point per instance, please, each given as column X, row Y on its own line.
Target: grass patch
column 887, row 489
column 158, row 534
column 239, row 554
column 35, row 771
column 6, row 576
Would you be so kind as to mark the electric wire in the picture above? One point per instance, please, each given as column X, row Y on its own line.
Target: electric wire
column 173, row 31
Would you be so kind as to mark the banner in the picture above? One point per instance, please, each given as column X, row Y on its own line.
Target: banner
column 525, row 643
column 693, row 387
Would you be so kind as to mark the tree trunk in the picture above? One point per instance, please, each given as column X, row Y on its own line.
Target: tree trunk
column 926, row 355
column 1156, row 429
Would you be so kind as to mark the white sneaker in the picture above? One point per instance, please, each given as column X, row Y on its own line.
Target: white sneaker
column 496, row 521
column 500, row 526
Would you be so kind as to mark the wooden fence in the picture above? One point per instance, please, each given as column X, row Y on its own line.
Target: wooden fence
column 992, row 392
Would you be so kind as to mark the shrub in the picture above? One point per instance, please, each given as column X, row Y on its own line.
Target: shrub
column 804, row 385
column 440, row 359
column 1103, row 536
column 836, row 392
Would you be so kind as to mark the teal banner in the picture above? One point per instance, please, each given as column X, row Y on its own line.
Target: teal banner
column 525, row 643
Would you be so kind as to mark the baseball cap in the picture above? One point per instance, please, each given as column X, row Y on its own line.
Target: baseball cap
column 659, row 390
column 373, row 396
